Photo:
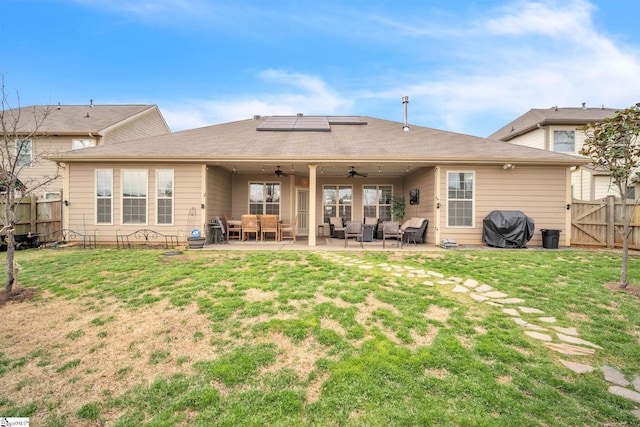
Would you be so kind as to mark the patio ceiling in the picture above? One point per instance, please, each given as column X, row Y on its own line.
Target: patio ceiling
column 333, row 170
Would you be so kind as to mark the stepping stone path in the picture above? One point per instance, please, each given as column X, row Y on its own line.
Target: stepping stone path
column 564, row 340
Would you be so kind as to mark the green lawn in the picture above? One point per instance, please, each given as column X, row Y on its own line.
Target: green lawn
column 137, row 337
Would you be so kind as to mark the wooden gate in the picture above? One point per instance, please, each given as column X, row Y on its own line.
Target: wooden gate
column 594, row 223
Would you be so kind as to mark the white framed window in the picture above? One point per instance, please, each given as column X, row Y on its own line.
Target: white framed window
column 460, row 199
column 104, row 196
column 264, row 198
column 134, row 196
column 52, row 195
column 337, row 200
column 77, row 144
column 164, row 197
column 564, row 141
column 24, row 152
column 376, row 201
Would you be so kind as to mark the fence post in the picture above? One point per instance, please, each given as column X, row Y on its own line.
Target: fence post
column 34, row 215
column 611, row 222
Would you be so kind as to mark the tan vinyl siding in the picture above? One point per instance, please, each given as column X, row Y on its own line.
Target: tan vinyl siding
column 532, row 190
column 218, row 192
column 534, row 139
column 42, row 169
column 187, row 194
column 603, row 187
column 145, row 125
column 422, row 180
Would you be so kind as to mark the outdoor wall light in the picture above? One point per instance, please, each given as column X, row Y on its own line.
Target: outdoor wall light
column 508, row 166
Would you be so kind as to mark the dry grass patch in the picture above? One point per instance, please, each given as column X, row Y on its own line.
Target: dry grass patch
column 75, row 360
column 435, row 312
column 299, row 357
column 423, row 340
column 258, row 295
column 437, row 373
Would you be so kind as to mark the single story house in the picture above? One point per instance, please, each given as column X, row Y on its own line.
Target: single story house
column 313, row 168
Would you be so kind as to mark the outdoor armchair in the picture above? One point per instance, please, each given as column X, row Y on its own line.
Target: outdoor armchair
column 391, row 230
column 353, row 229
column 337, row 227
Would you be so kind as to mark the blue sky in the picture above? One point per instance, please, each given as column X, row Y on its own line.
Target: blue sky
column 467, row 66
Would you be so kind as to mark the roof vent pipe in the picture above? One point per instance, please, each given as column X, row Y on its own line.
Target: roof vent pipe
column 299, row 115
column 584, row 105
column 405, row 102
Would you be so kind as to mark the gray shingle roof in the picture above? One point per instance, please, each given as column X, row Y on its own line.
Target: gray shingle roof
column 76, row 119
column 377, row 140
column 551, row 116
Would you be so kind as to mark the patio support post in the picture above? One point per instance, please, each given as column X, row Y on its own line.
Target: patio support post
column 312, row 204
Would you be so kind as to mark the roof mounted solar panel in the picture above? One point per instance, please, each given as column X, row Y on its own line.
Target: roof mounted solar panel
column 295, row 123
column 345, row 120
column 307, row 123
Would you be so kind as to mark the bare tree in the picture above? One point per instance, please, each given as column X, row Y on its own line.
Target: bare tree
column 614, row 146
column 20, row 130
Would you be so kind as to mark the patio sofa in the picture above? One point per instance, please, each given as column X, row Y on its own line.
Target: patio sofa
column 415, row 230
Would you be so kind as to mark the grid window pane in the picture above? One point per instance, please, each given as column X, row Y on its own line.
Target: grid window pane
column 104, row 211
column 23, row 152
column 377, row 201
column 460, row 203
column 564, row 140
column 104, row 193
column 134, row 197
column 164, row 197
column 165, row 211
column 337, row 201
column 134, row 211
column 264, row 198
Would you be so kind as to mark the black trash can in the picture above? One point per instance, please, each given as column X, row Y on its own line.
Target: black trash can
column 550, row 238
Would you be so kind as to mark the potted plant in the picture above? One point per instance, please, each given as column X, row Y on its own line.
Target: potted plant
column 196, row 241
column 398, row 206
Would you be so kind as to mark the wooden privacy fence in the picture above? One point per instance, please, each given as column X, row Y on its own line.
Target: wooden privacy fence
column 594, row 223
column 41, row 216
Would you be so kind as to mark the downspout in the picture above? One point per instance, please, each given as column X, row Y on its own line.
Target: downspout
column 437, row 204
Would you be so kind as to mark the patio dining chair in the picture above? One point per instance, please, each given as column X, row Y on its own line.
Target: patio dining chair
column 269, row 224
column 249, row 225
column 353, row 229
column 234, row 228
column 288, row 231
column 391, row 229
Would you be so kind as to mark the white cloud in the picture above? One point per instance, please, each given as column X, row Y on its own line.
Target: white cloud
column 552, row 19
column 525, row 54
column 289, row 93
column 545, row 54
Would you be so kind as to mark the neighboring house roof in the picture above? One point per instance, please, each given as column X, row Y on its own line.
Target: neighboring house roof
column 76, row 119
column 538, row 117
column 319, row 140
